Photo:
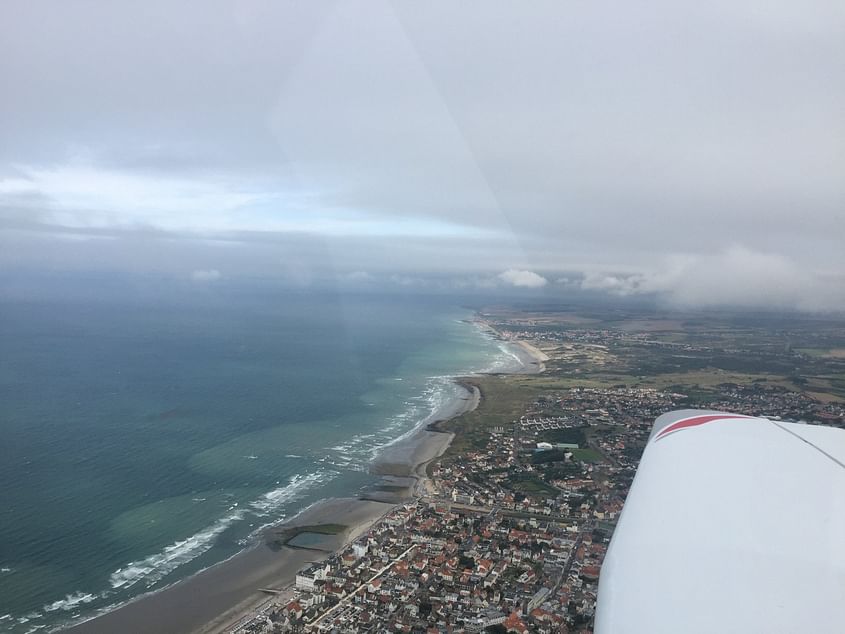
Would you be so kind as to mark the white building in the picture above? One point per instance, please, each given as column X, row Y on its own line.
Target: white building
column 307, row 577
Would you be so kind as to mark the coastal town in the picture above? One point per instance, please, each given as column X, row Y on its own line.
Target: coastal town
column 423, row 317
column 508, row 533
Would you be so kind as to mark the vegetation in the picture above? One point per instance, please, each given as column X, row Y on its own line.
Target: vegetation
column 533, row 486
column 549, row 455
column 574, row 436
column 503, row 400
column 706, row 357
column 586, row 455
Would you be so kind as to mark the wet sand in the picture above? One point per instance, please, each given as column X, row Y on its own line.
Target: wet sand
column 409, row 456
column 529, row 358
column 533, row 359
column 216, row 598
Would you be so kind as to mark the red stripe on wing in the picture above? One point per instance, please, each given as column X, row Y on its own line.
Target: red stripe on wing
column 695, row 421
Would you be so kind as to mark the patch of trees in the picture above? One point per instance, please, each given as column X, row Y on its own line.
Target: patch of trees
column 549, row 455
column 634, row 452
column 573, row 435
column 562, row 471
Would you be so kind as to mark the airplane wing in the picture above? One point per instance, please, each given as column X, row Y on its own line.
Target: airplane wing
column 732, row 524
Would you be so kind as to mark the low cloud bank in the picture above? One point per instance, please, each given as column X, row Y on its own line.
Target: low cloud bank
column 524, row 279
column 737, row 277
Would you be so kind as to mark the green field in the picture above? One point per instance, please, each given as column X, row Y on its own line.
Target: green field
column 704, row 356
column 534, row 486
column 586, row 455
column 503, row 400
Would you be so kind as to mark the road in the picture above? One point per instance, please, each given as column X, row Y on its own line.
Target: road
column 486, row 510
column 313, row 625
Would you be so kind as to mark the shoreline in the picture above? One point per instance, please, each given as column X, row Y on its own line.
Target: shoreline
column 530, row 357
column 538, row 357
column 217, row 599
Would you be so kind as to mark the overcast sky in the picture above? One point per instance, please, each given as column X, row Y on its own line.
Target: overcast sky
column 691, row 149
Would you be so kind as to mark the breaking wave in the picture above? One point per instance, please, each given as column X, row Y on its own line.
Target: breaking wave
column 71, row 601
column 154, row 568
column 273, row 500
column 438, row 399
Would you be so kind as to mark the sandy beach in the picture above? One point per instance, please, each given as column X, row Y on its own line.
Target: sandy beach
column 529, row 358
column 408, row 456
column 216, row 599
column 533, row 359
column 213, row 600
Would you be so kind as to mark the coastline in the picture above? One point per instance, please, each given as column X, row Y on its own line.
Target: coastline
column 218, row 598
column 537, row 356
column 530, row 358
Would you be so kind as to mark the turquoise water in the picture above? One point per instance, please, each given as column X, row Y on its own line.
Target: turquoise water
column 145, row 440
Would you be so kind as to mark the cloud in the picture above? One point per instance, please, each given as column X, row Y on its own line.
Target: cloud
column 525, row 279
column 735, row 277
column 612, row 283
column 85, row 196
column 425, row 148
column 206, row 275
column 82, row 195
column 358, row 276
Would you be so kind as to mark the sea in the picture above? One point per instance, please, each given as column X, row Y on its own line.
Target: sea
column 145, row 437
